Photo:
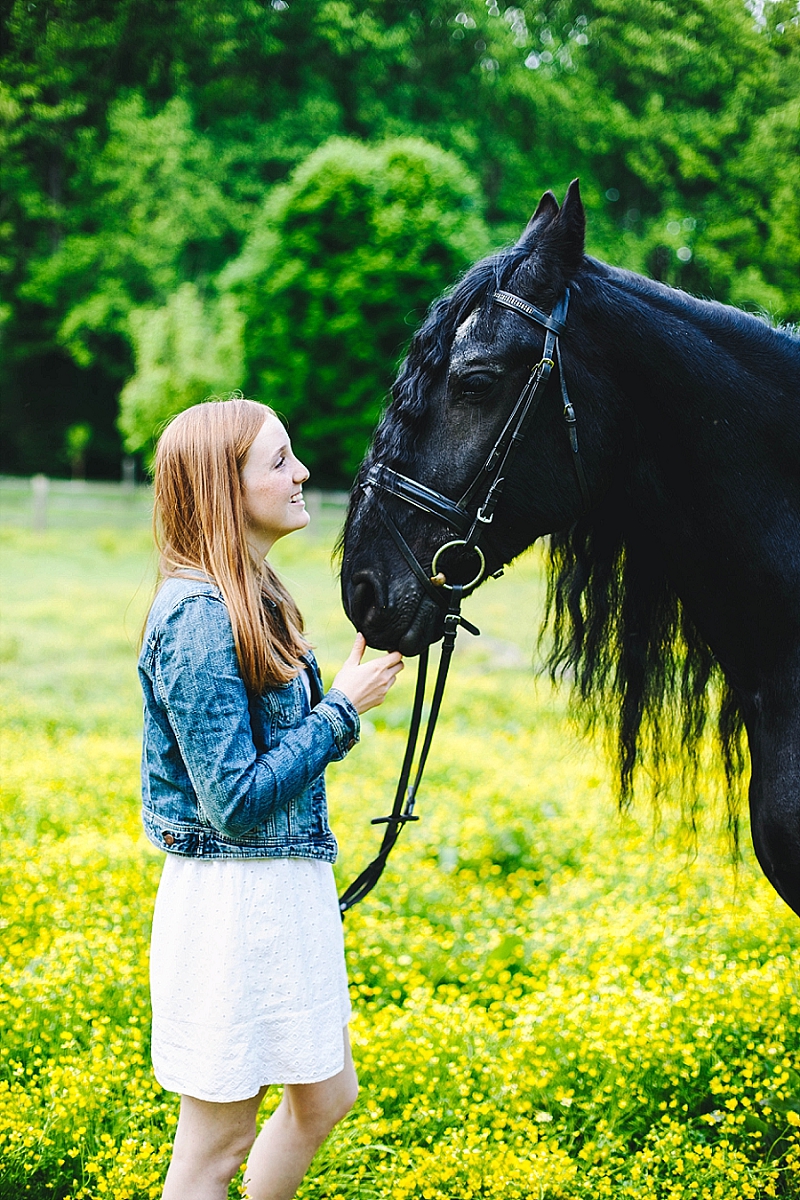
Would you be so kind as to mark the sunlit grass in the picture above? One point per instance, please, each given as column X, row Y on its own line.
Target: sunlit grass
column 551, row 1001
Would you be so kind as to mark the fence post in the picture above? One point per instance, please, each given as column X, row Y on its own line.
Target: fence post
column 313, row 499
column 128, row 481
column 40, row 485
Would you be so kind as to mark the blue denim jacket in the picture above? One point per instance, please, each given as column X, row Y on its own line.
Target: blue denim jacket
column 226, row 774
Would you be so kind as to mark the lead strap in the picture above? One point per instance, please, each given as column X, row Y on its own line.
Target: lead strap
column 405, row 797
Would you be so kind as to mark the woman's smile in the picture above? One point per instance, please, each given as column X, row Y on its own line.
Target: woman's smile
column 272, row 487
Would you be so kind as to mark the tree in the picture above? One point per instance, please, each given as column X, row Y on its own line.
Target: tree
column 185, row 351
column 166, row 220
column 140, row 138
column 693, row 139
column 76, row 442
column 341, row 266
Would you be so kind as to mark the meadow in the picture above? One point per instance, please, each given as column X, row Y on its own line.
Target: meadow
column 552, row 1000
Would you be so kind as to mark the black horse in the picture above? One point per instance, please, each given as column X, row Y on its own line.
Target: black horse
column 674, row 569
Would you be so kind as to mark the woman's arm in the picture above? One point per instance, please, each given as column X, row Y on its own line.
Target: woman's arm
column 198, row 681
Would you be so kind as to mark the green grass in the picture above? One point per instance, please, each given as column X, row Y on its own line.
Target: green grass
column 551, row 1000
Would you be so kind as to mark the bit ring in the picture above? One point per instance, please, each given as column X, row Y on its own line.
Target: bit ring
column 438, row 578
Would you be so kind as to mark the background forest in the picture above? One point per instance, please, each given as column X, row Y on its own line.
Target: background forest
column 207, row 194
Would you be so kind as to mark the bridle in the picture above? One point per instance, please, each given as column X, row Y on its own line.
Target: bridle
column 488, row 483
column 487, row 486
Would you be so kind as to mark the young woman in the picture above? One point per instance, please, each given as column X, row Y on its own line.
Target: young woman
column 247, row 961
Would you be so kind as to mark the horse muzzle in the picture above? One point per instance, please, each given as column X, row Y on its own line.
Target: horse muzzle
column 391, row 617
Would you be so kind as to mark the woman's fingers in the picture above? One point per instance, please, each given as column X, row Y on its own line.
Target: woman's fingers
column 359, row 646
column 366, row 683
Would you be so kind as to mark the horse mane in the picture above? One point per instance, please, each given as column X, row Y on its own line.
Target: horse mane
column 637, row 661
column 616, row 628
column 613, row 624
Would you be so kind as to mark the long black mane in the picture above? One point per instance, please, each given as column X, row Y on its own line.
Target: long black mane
column 613, row 623
column 638, row 662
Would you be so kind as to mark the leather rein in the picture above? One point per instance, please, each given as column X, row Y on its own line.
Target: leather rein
column 488, row 483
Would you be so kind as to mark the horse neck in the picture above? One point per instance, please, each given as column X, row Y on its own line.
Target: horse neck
column 714, row 429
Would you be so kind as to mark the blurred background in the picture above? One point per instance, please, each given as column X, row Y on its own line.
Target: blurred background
column 202, row 195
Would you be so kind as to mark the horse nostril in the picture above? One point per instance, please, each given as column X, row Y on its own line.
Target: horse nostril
column 365, row 598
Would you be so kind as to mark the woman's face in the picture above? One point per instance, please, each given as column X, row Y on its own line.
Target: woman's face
column 272, row 487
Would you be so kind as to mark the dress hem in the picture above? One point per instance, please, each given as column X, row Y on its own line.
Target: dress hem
column 201, row 1094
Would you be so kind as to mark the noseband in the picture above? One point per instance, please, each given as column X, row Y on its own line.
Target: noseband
column 488, row 483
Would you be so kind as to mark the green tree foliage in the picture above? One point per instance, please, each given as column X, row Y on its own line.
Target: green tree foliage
column 184, row 351
column 141, row 138
column 76, row 442
column 165, row 220
column 696, row 123
column 341, row 266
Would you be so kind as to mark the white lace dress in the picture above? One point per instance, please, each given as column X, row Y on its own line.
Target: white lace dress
column 247, row 976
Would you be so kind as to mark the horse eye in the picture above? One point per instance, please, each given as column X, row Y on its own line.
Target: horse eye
column 478, row 383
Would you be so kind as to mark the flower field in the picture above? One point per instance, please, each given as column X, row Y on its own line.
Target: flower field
column 552, row 1001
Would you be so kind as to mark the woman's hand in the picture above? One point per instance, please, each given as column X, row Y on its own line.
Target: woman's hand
column 366, row 683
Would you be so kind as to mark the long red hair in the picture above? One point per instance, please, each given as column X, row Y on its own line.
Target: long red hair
column 200, row 525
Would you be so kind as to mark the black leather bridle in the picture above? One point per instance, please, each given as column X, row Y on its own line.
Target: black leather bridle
column 487, row 485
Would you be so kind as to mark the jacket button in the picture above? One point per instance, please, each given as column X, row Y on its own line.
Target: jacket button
column 168, row 838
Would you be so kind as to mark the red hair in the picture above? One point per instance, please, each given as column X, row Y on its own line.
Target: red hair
column 200, row 525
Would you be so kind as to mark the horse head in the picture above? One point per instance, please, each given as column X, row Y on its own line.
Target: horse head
column 455, row 399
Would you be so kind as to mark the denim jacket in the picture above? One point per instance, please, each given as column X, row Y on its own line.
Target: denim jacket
column 226, row 774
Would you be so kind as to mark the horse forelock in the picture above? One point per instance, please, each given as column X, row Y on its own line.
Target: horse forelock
column 430, row 350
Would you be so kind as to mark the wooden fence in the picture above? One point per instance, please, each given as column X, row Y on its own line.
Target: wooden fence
column 40, row 503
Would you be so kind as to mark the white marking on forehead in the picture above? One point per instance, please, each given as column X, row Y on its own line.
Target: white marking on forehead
column 465, row 327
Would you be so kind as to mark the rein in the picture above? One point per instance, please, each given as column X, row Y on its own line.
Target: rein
column 405, row 796
column 489, row 482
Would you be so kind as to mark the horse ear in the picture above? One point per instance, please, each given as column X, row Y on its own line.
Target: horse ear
column 573, row 219
column 557, row 250
column 546, row 209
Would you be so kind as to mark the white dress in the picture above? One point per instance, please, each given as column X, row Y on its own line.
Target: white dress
column 247, row 976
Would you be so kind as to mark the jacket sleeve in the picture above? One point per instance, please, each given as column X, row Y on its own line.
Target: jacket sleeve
column 199, row 683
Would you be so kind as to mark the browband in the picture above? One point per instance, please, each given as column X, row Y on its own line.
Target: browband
column 518, row 305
